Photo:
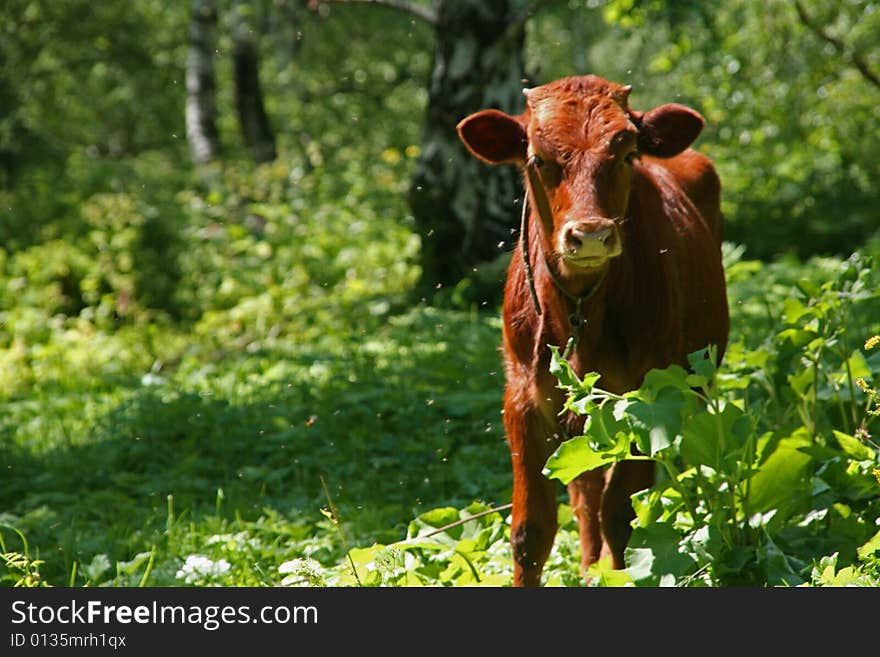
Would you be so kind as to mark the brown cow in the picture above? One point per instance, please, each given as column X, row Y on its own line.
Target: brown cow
column 623, row 229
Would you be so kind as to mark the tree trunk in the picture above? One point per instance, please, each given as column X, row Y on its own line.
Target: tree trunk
column 255, row 129
column 201, row 86
column 466, row 211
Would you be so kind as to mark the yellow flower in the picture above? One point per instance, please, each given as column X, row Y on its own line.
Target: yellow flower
column 391, row 156
column 872, row 342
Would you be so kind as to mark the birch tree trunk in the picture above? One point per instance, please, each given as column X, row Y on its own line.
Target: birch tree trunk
column 201, row 86
column 467, row 212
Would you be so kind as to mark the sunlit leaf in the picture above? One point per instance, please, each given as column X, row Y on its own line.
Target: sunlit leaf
column 657, row 423
column 783, row 476
column 854, row 448
column 870, row 547
column 574, row 457
column 707, row 437
column 654, row 552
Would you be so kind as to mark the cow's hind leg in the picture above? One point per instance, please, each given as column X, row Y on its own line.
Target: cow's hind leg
column 623, row 479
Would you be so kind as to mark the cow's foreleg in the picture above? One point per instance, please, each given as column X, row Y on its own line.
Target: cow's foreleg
column 533, row 525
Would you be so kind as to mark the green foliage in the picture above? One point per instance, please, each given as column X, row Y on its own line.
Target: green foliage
column 749, row 495
column 19, row 568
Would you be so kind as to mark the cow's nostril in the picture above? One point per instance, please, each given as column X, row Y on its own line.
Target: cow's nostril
column 573, row 240
column 602, row 235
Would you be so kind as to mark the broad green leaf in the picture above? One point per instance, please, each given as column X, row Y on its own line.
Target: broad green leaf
column 808, row 287
column 858, row 366
column 706, row 542
column 707, row 437
column 793, row 309
column 780, row 569
column 580, row 405
column 434, row 519
column 701, row 364
column 697, row 381
column 99, row 565
column 364, row 555
column 604, row 575
column 700, row 444
column 816, row 344
column 783, row 476
column 738, row 381
column 659, row 421
column 562, row 370
column 673, row 376
column 801, row 381
column 606, row 432
column 574, row 457
column 654, row 552
column 134, row 564
column 798, row 337
column 870, row 547
column 656, row 504
column 853, row 447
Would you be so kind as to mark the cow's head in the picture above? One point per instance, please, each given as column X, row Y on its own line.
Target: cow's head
column 578, row 141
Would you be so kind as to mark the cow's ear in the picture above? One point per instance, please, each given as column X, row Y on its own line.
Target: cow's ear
column 494, row 137
column 669, row 129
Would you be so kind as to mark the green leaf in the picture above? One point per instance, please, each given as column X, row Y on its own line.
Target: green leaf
column 659, row 420
column 562, row 370
column 858, row 366
column 654, row 553
column 793, row 309
column 434, row 519
column 99, row 565
column 798, row 337
column 701, row 364
column 129, row 567
column 656, row 503
column 700, row 441
column 697, row 381
column 780, row 569
column 870, row 547
column 854, row 447
column 574, row 457
column 707, row 437
column 783, row 476
column 604, row 574
column 607, row 431
column 801, row 381
column 673, row 376
column 580, row 404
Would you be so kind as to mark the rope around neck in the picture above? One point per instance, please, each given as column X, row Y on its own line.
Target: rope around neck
column 575, row 319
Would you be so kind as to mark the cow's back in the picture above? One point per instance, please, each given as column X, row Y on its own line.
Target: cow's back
column 698, row 178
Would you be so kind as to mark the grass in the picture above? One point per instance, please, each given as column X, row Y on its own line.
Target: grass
column 399, row 421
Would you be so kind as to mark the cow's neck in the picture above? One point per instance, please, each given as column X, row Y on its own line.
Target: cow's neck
column 572, row 315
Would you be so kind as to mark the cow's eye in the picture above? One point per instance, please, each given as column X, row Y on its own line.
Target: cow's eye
column 548, row 169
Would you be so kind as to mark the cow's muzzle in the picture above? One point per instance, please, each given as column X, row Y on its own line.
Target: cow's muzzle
column 590, row 242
